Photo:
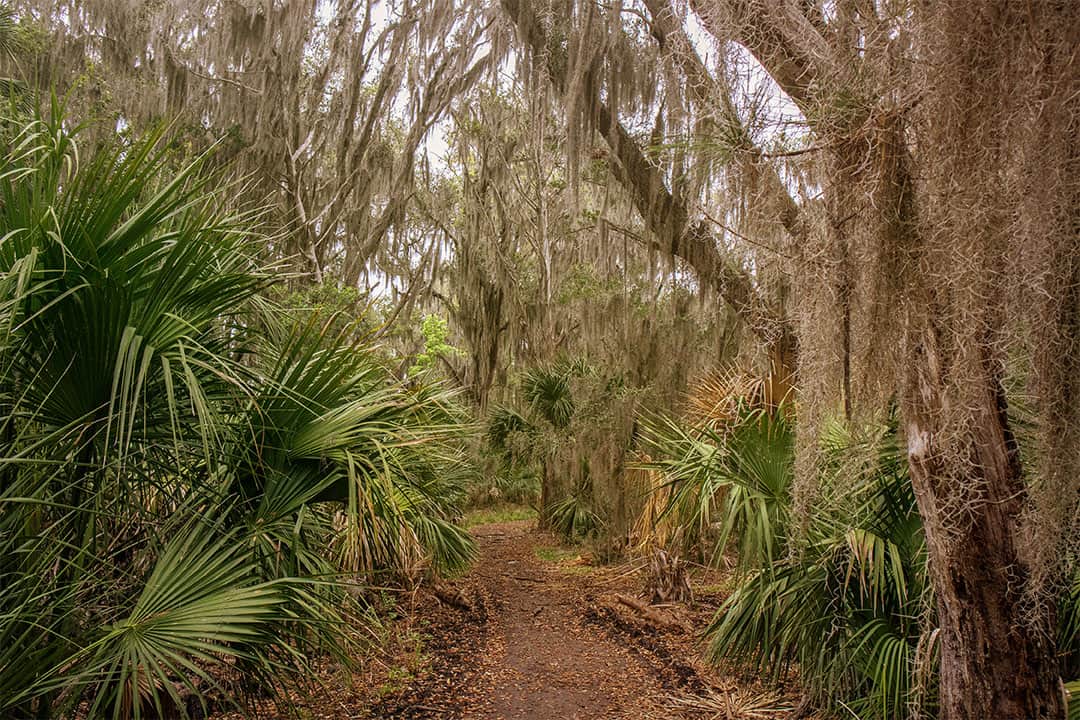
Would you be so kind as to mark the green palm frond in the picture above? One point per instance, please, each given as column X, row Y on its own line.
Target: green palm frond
column 1068, row 640
column 574, row 518
column 137, row 277
column 502, row 424
column 843, row 597
column 143, row 383
column 549, row 394
column 330, row 423
column 1072, row 699
column 201, row 604
column 730, row 484
column 12, row 35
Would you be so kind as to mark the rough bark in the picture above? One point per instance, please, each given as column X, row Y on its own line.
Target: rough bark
column 781, row 38
column 997, row 658
column 988, row 65
column 709, row 94
column 993, row 663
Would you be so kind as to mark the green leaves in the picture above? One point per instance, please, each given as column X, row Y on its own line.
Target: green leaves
column 435, row 331
column 1072, row 697
column 190, row 484
column 201, row 605
column 135, row 276
column 330, row 421
column 841, row 593
column 738, row 477
column 549, row 394
column 573, row 516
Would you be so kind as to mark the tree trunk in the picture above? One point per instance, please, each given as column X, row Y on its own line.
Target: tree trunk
column 782, row 352
column 547, row 495
column 994, row 663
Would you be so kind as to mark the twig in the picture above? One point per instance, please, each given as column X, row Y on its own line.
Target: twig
column 230, row 81
column 620, row 576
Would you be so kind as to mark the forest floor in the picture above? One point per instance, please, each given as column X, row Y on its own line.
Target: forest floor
column 535, row 631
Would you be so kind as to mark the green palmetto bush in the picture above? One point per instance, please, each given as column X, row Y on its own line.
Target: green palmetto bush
column 726, row 484
column 841, row 594
column 191, row 485
column 573, row 516
column 327, row 425
column 846, row 602
column 549, row 394
column 574, row 426
column 533, row 437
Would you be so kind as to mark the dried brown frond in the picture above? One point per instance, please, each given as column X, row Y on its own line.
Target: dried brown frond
column 736, row 704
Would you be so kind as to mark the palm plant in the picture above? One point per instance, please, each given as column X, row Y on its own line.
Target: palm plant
column 512, row 473
column 534, row 436
column 503, row 425
column 573, row 516
column 174, row 461
column 117, row 365
column 841, row 596
column 726, row 482
column 548, row 393
column 847, row 603
column 14, row 44
column 327, row 423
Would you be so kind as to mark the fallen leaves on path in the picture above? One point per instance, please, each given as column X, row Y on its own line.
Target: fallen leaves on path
column 565, row 640
column 535, row 632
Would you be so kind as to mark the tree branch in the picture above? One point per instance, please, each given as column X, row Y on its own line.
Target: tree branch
column 666, row 217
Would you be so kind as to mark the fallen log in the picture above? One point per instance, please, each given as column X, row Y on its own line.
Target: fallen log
column 451, row 596
column 525, row 578
column 650, row 614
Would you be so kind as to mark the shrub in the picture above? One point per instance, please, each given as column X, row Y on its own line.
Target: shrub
column 175, row 462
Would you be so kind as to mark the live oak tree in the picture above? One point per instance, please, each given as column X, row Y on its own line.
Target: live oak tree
column 935, row 259
column 324, row 105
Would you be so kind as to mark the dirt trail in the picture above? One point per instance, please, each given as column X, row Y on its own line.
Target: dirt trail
column 539, row 643
column 541, row 659
column 540, row 636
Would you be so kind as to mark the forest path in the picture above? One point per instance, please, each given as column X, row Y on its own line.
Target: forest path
column 541, row 660
column 539, row 641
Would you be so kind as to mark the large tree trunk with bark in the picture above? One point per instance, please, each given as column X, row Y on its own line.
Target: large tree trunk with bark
column 986, row 66
column 925, row 110
column 994, row 662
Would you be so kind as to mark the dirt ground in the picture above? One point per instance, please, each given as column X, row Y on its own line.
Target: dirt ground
column 545, row 640
column 545, row 656
column 535, row 632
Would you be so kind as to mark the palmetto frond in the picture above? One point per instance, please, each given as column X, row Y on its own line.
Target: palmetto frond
column 202, row 603
column 330, row 423
column 136, row 277
column 729, row 483
column 549, row 394
column 840, row 597
column 145, row 391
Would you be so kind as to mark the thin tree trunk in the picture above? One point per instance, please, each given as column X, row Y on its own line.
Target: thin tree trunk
column 547, row 480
